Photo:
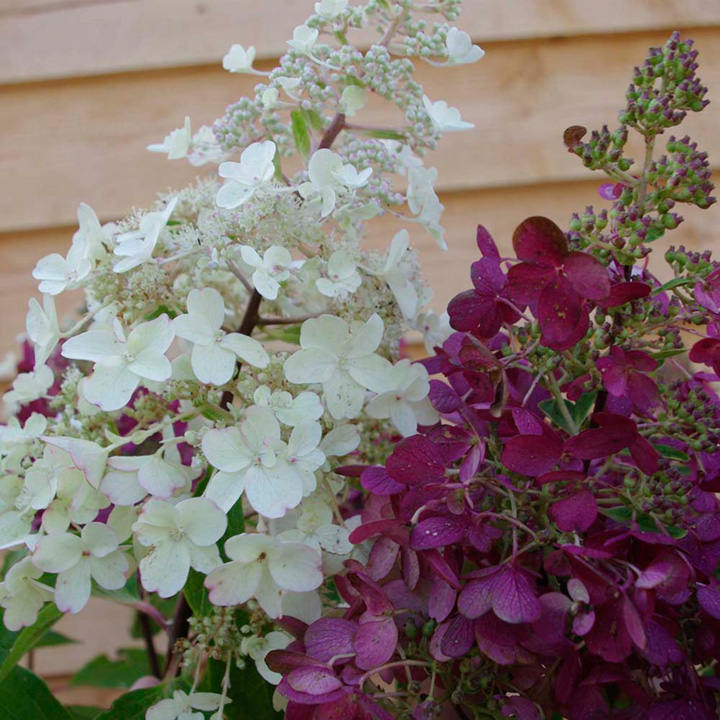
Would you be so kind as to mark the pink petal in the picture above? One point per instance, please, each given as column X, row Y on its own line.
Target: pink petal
column 375, row 643
column 709, row 599
column 560, row 312
column 588, row 276
column 539, row 240
column 416, row 461
column 313, row 680
column 531, row 455
column 328, row 637
column 377, row 481
column 485, row 243
column 513, row 596
column 575, row 513
column 438, row 531
column 458, row 638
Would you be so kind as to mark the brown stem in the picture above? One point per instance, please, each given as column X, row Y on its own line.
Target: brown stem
column 284, row 321
column 179, row 629
column 146, row 630
column 334, row 129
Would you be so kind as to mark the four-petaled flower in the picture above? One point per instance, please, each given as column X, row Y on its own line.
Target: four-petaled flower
column 445, row 118
column 122, row 362
column 343, row 275
column 342, row 359
column 215, row 352
column 181, row 705
column 176, row 143
column 239, row 60
column 460, row 49
column 265, row 568
column 243, row 179
column 269, row 270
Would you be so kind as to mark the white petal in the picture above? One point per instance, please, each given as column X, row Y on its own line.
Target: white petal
column 165, row 568
column 151, row 366
column 232, row 195
column 273, row 491
column 212, row 364
column 310, row 366
column 95, row 345
column 122, row 488
column 58, row 552
column 160, row 478
column 371, row 371
column 72, row 589
column 193, row 328
column 99, row 539
column 247, row 547
column 155, row 336
column 328, row 333
column 225, row 489
column 202, row 520
column 208, row 305
column 343, row 396
column 404, row 418
column 305, row 606
column 110, row 388
column 295, row 566
column 233, row 583
column 266, row 285
column 341, row 440
column 205, row 559
column 269, row 595
column 226, row 450
column 247, row 349
column 109, row 572
column 365, row 339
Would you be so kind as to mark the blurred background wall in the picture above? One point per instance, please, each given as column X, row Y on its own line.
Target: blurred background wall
column 85, row 85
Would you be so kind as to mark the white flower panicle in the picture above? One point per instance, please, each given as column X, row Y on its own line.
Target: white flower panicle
column 238, row 343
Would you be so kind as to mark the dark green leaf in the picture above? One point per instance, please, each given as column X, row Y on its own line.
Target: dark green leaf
column 670, row 284
column 24, row 696
column 159, row 311
column 134, row 705
column 621, row 514
column 13, row 645
column 128, row 595
column 52, row 638
column 132, row 664
column 251, row 695
column 552, row 410
column 671, row 452
column 386, row 134
column 583, row 407
column 197, row 595
column 83, row 712
column 624, row 515
column 300, row 132
column 661, row 356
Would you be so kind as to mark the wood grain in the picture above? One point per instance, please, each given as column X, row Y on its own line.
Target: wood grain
column 42, row 39
column 499, row 209
column 85, row 139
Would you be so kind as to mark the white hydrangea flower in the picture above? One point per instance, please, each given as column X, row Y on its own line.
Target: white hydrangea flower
column 270, row 97
column 205, row 148
column 396, row 275
column 176, row 143
column 55, row 484
column 290, row 410
column 315, row 528
column 329, row 9
column 16, row 439
column 97, row 238
column 265, row 568
column 57, row 273
column 405, row 402
column 304, row 39
column 445, row 118
column 259, row 647
column 129, row 478
column 268, row 271
column 328, row 176
column 137, row 246
column 16, row 511
column 41, row 325
column 460, row 48
column 424, row 202
column 215, row 352
column 256, row 167
column 238, row 59
column 342, row 360
column 343, row 277
column 28, row 387
column 435, row 329
column 252, row 457
column 78, row 558
column 8, row 366
column 353, row 99
column 179, row 537
column 22, row 595
column 343, row 439
column 289, row 85
column 181, row 705
column 120, row 362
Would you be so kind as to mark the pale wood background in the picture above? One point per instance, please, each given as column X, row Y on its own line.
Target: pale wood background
column 85, row 85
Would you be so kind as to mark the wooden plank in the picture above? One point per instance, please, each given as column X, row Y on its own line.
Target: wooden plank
column 86, row 37
column 85, row 139
column 500, row 209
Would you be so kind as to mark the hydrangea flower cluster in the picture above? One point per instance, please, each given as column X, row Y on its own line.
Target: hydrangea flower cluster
column 551, row 547
column 237, row 344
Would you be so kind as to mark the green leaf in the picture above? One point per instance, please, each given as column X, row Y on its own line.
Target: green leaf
column 251, row 694
column 197, row 595
column 671, row 452
column 287, row 333
column 675, row 282
column 52, row 638
column 552, row 410
column 622, row 514
column 314, row 120
column 24, row 696
column 300, row 132
column 134, row 705
column 662, row 355
column 128, row 595
column 83, row 712
column 13, row 645
column 386, row 134
column 583, row 407
column 159, row 311
column 352, row 80
column 131, row 665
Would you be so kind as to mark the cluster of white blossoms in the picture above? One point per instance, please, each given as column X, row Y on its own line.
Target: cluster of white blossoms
column 238, row 343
